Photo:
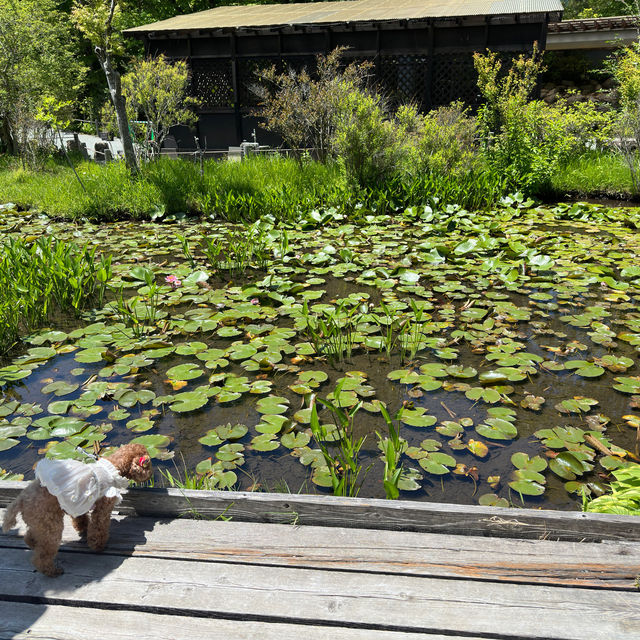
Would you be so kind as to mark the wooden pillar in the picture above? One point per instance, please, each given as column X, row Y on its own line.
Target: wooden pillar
column 235, row 83
column 428, row 74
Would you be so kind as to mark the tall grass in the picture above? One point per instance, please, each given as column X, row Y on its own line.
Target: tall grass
column 593, row 174
column 38, row 278
column 233, row 191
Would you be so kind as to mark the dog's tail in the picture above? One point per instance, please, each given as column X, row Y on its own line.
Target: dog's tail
column 11, row 514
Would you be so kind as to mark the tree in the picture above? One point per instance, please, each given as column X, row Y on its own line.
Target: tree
column 306, row 110
column 100, row 20
column 158, row 89
column 37, row 64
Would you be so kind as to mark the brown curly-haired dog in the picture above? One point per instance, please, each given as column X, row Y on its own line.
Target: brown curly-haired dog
column 43, row 515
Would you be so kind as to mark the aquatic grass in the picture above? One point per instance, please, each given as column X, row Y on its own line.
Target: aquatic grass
column 43, row 276
column 333, row 332
column 236, row 251
column 392, row 447
column 141, row 312
column 342, row 458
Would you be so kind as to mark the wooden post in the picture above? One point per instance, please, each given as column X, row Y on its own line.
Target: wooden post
column 236, row 87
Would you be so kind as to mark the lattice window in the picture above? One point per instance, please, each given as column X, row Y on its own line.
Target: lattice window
column 454, row 78
column 298, row 63
column 402, row 78
column 249, row 78
column 212, row 83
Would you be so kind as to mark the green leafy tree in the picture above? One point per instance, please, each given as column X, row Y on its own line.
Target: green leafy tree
column 626, row 71
column 101, row 21
column 597, row 8
column 157, row 89
column 37, row 64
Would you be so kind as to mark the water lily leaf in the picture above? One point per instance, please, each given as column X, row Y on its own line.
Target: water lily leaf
column 260, row 386
column 437, row 463
column 534, row 403
column 409, row 480
column 231, row 453
column 417, row 417
column 155, row 444
column 189, row 401
column 60, row 407
column 293, row 440
column 522, row 461
column 321, row 477
column 210, row 439
column 450, row 429
column 272, row 424
column 527, row 487
column 584, row 369
column 478, row 448
column 225, row 396
column 486, row 395
column 272, row 405
column 313, row 378
column 497, row 429
column 492, row 500
column 187, row 371
column 231, row 432
column 60, row 388
column 8, row 443
column 627, row 385
column 140, row 424
column 566, row 465
column 578, row 404
column 264, row 442
column 88, row 356
column 459, row 371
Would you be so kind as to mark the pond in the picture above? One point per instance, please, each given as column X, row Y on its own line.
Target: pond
column 502, row 344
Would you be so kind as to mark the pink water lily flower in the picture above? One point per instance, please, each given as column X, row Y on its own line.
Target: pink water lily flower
column 255, row 301
column 173, row 281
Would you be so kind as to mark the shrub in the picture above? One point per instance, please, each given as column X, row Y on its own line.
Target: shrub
column 445, row 142
column 305, row 109
column 368, row 142
column 508, row 123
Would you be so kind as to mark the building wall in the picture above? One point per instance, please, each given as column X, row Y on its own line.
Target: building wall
column 430, row 64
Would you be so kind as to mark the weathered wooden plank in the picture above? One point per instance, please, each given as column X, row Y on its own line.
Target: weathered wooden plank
column 308, row 596
column 400, row 515
column 609, row 565
column 20, row 621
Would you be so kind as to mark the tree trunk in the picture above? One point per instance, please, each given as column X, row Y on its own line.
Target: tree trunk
column 113, row 81
column 6, row 139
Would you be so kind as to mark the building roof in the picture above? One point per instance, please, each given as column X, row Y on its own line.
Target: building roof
column 349, row 11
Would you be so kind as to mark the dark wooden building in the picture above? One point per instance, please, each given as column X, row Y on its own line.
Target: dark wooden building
column 422, row 49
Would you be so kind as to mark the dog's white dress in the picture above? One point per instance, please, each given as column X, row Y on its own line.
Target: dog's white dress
column 79, row 486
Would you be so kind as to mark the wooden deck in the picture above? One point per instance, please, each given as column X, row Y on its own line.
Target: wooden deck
column 463, row 572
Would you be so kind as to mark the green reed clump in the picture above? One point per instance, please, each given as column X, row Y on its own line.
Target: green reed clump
column 342, row 458
column 333, row 333
column 392, row 447
column 45, row 276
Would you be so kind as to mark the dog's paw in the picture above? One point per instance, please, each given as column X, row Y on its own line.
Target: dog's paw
column 53, row 572
column 96, row 544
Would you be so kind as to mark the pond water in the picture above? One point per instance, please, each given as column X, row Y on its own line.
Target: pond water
column 508, row 339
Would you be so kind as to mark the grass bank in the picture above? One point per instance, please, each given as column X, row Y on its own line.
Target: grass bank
column 594, row 175
column 237, row 192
